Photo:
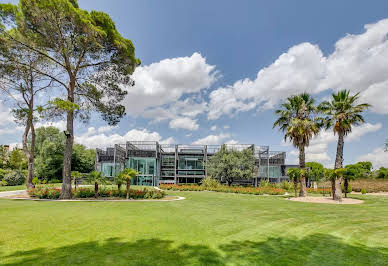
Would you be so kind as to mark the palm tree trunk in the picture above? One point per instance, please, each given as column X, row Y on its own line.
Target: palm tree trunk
column 302, row 165
column 96, row 190
column 296, row 187
column 338, row 164
column 332, row 181
column 346, row 186
column 128, row 186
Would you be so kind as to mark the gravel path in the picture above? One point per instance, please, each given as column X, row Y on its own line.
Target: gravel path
column 327, row 200
column 6, row 194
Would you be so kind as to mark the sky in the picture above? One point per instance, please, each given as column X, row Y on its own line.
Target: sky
column 214, row 72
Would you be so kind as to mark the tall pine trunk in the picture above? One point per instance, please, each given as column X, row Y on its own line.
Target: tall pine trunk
column 302, row 165
column 338, row 164
column 29, row 152
column 66, row 184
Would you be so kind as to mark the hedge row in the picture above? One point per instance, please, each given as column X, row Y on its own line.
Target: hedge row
column 227, row 189
column 85, row 192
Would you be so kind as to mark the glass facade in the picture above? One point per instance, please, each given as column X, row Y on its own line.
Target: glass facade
column 147, row 168
column 107, row 169
column 274, row 171
column 190, row 163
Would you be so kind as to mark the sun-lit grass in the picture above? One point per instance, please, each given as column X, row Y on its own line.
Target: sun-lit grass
column 12, row 188
column 206, row 228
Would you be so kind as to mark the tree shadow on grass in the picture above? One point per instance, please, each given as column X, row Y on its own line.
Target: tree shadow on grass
column 318, row 249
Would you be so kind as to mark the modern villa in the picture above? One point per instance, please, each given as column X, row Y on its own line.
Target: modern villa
column 179, row 163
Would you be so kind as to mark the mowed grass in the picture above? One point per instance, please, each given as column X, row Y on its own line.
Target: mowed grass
column 206, row 228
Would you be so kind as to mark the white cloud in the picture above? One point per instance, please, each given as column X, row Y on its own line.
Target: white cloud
column 101, row 140
column 358, row 63
column 317, row 150
column 213, row 128
column 378, row 157
column 232, row 141
column 297, row 70
column 61, row 125
column 184, row 123
column 167, row 81
column 212, row 139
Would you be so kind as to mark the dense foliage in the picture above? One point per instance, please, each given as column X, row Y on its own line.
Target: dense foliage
column 229, row 165
column 49, row 154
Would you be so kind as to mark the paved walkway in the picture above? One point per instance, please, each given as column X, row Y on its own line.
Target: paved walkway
column 5, row 194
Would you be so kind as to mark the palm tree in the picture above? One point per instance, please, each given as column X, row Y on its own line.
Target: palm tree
column 76, row 175
column 126, row 176
column 342, row 113
column 96, row 177
column 294, row 174
column 298, row 122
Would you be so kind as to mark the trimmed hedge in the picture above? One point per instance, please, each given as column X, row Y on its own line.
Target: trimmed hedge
column 240, row 190
column 85, row 192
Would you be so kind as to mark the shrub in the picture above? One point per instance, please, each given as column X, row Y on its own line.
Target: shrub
column 287, row 185
column 349, row 188
column 3, row 183
column 14, row 178
column 54, row 181
column 45, row 192
column 209, row 182
column 227, row 189
column 363, row 191
column 3, row 173
column 36, row 181
column 264, row 183
column 370, row 185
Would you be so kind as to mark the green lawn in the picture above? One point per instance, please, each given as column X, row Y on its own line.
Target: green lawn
column 12, row 188
column 207, row 228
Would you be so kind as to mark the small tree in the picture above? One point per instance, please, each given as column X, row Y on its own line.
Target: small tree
column 126, row 176
column 294, row 174
column 75, row 175
column 96, row 177
column 118, row 181
column 228, row 165
column 315, row 171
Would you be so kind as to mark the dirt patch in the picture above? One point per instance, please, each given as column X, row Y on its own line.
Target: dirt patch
column 327, row 200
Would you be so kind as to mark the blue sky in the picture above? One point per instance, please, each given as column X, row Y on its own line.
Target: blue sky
column 208, row 54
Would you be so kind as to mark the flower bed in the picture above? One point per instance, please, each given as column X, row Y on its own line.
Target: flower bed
column 85, row 192
column 240, row 190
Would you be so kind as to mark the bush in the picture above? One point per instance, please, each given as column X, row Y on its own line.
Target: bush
column 14, row 178
column 287, row 185
column 3, row 183
column 363, row 191
column 227, row 189
column 46, row 192
column 264, row 183
column 209, row 182
column 35, row 181
column 3, row 173
column 370, row 185
column 54, row 181
column 349, row 188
